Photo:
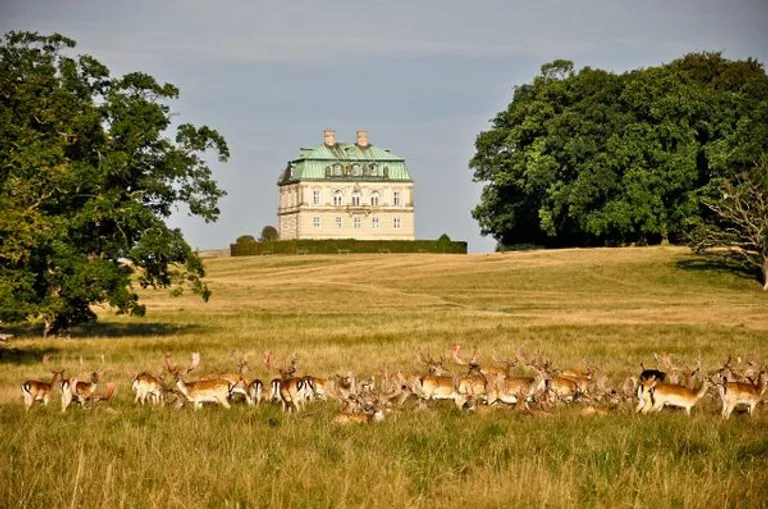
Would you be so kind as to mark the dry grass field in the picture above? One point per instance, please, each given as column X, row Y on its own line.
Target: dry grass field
column 367, row 312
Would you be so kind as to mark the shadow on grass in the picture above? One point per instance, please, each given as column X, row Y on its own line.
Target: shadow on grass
column 717, row 264
column 107, row 330
column 10, row 355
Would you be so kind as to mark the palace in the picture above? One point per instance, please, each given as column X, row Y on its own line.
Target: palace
column 346, row 191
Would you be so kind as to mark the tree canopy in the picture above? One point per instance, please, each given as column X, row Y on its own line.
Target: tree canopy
column 597, row 158
column 89, row 174
column 269, row 234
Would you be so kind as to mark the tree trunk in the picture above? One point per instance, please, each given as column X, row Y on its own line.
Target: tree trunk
column 765, row 273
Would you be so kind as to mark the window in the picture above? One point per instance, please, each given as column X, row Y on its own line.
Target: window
column 374, row 223
column 356, row 170
column 396, row 223
column 357, row 223
column 337, row 170
column 355, row 199
column 396, row 198
column 374, row 170
column 375, row 199
column 338, row 198
column 316, row 197
column 316, row 222
column 339, row 224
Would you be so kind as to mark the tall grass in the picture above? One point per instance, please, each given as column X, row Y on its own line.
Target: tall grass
column 364, row 313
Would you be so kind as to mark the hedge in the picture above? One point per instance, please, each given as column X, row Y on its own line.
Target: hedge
column 343, row 246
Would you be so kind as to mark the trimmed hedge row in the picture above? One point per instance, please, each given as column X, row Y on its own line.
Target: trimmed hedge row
column 343, row 246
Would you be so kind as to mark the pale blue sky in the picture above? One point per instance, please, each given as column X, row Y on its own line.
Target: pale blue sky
column 424, row 77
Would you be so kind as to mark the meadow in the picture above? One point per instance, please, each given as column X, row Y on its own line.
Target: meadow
column 364, row 313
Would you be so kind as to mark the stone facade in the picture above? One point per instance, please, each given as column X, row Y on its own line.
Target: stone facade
column 342, row 191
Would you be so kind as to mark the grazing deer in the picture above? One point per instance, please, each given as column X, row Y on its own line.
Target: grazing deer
column 673, row 395
column 202, row 391
column 34, row 390
column 733, row 394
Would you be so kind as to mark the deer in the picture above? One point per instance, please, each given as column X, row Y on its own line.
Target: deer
column 292, row 390
column 202, row 391
column 255, row 391
column 146, row 385
column 503, row 367
column 649, row 375
column 82, row 392
column 366, row 407
column 34, row 390
column 672, row 395
column 508, row 390
column 238, row 380
column 437, row 385
column 734, row 394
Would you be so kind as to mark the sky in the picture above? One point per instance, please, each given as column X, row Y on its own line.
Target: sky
column 423, row 77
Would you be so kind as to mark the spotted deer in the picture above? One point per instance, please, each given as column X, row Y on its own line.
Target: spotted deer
column 203, row 391
column 35, row 390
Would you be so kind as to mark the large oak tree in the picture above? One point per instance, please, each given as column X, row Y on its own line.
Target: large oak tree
column 89, row 174
column 598, row 158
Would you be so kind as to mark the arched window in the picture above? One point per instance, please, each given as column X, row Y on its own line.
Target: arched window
column 355, row 199
column 375, row 199
column 338, row 198
column 337, row 170
column 356, row 170
column 374, row 170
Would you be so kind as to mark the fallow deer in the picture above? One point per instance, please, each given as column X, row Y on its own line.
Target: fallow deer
column 673, row 395
column 34, row 390
column 146, row 385
column 202, row 391
column 734, row 394
column 437, row 385
column 502, row 367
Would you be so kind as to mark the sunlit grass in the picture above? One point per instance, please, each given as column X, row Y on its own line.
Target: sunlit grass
column 367, row 312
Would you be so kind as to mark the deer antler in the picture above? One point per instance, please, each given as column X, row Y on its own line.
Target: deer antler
column 456, row 354
column 195, row 362
column 169, row 362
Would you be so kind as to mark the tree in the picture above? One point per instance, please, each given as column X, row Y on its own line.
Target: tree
column 88, row 178
column 596, row 158
column 269, row 234
column 739, row 229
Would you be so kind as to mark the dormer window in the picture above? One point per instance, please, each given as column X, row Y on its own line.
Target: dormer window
column 374, row 170
column 356, row 170
column 337, row 170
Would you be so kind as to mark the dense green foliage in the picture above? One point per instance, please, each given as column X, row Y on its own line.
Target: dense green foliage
column 597, row 158
column 245, row 247
column 269, row 234
column 87, row 180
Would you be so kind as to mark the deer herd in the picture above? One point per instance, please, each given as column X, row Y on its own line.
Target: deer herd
column 529, row 383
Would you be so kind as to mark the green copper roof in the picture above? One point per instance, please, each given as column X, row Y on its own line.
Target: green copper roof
column 346, row 162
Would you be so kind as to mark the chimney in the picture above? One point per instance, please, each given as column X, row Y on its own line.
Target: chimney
column 329, row 137
column 362, row 139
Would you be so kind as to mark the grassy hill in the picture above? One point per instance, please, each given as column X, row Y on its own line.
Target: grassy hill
column 367, row 312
